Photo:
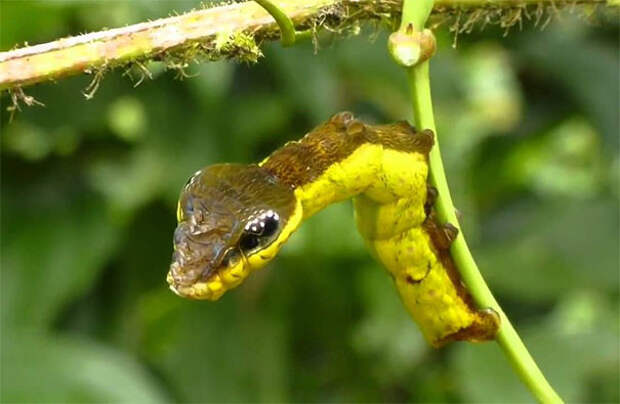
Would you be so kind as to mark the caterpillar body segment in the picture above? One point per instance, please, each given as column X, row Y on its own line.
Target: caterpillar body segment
column 234, row 219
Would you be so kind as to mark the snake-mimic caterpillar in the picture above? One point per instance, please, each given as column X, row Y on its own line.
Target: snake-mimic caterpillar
column 234, row 219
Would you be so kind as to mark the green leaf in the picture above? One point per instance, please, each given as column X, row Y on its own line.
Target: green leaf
column 387, row 334
column 586, row 69
column 215, row 352
column 51, row 253
column 42, row 368
column 309, row 82
column 572, row 345
column 537, row 252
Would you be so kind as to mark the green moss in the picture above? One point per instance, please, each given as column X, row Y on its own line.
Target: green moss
column 237, row 45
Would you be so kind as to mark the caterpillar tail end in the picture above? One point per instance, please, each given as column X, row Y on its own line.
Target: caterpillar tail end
column 484, row 328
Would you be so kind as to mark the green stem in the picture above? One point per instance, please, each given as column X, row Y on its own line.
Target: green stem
column 287, row 28
column 416, row 12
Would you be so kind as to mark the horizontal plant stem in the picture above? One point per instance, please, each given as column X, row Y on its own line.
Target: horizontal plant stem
column 144, row 41
column 198, row 31
column 507, row 3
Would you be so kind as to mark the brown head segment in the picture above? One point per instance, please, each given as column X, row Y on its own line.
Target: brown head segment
column 226, row 213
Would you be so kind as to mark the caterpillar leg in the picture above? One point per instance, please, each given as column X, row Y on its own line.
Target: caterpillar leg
column 441, row 235
column 431, row 197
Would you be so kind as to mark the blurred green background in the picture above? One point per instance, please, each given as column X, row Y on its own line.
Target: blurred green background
column 529, row 129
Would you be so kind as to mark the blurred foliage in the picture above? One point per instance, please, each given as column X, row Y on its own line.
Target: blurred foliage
column 529, row 128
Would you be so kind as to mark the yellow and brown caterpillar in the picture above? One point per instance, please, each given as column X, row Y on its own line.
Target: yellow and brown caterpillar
column 234, row 219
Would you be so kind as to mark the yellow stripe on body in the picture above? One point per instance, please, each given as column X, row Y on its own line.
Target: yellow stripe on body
column 342, row 180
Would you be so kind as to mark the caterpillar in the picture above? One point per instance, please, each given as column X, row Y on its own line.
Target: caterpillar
column 234, row 218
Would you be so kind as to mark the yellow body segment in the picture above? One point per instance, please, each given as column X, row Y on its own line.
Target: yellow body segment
column 342, row 180
column 390, row 191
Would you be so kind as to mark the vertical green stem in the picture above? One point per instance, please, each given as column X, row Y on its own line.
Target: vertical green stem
column 416, row 12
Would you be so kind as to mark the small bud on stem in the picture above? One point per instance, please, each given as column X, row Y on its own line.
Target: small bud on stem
column 410, row 47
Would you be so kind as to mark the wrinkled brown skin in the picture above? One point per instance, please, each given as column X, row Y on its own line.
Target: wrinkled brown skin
column 214, row 207
column 298, row 163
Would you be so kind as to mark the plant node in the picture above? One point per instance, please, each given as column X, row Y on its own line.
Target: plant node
column 410, row 47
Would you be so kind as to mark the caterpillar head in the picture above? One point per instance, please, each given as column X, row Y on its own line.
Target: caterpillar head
column 232, row 219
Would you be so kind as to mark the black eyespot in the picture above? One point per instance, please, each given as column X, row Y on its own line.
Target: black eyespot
column 271, row 226
column 260, row 232
column 249, row 242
